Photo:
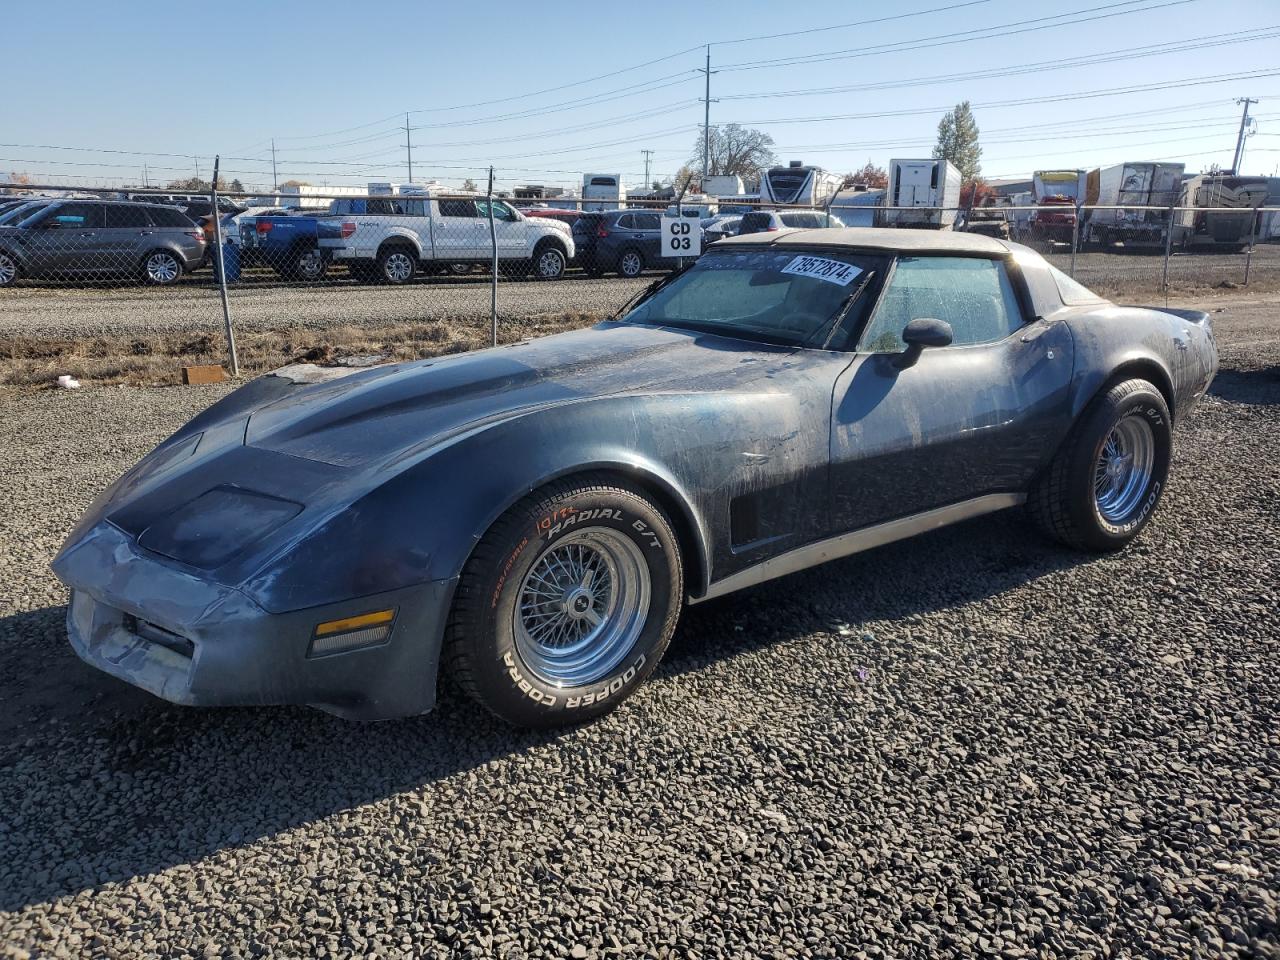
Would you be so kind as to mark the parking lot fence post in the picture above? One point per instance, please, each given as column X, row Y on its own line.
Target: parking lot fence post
column 220, row 271
column 1168, row 252
column 1253, row 236
column 1075, row 238
column 493, row 280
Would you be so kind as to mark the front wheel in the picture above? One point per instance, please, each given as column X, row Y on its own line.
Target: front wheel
column 1105, row 482
column 630, row 264
column 549, row 263
column 566, row 605
column 161, row 268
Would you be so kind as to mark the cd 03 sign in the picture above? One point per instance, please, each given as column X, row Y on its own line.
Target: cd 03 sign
column 681, row 237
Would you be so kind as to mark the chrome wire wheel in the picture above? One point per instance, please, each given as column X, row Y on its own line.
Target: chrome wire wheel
column 550, row 264
column 162, row 267
column 397, row 267
column 1123, row 469
column 8, row 270
column 581, row 607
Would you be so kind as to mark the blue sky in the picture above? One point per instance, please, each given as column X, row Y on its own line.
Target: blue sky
column 331, row 82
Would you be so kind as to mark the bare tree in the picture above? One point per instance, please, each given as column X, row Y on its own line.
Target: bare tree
column 735, row 150
column 469, row 185
column 16, row 179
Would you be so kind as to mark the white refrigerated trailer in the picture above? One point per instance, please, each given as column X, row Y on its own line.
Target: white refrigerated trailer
column 929, row 189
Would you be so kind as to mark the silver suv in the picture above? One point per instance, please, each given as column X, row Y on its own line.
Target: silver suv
column 73, row 239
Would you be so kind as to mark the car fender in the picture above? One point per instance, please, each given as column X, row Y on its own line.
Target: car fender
column 1117, row 342
column 403, row 233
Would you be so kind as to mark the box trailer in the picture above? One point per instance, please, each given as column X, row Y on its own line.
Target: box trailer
column 930, row 189
column 1198, row 224
column 1131, row 185
column 729, row 185
column 1056, row 195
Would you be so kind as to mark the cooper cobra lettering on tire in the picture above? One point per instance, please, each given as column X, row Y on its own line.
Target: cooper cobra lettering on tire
column 562, row 626
column 1105, row 482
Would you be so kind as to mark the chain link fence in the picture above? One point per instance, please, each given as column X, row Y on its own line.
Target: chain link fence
column 131, row 286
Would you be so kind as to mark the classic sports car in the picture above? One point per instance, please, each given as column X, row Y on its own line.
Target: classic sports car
column 531, row 518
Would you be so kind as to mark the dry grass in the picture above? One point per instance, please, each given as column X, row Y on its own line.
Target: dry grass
column 157, row 359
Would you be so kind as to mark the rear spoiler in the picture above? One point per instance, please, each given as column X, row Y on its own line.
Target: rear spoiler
column 1198, row 317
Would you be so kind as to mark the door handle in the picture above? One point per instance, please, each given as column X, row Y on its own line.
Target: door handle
column 145, row 233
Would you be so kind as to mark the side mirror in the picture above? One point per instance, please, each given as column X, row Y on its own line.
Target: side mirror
column 920, row 333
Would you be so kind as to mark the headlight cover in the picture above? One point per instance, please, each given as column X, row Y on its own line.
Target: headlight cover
column 211, row 529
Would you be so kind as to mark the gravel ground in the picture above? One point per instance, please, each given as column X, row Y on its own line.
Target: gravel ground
column 261, row 304
column 1015, row 751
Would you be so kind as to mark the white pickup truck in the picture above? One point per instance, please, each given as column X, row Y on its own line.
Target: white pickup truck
column 394, row 236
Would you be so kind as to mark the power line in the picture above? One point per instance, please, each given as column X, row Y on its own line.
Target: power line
column 1054, row 98
column 963, row 36
column 855, row 23
column 1130, row 53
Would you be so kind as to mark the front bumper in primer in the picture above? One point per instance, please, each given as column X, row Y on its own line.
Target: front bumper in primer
column 216, row 647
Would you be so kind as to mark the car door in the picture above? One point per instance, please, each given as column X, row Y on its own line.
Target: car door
column 648, row 230
column 458, row 232
column 68, row 239
column 127, row 231
column 977, row 417
column 515, row 237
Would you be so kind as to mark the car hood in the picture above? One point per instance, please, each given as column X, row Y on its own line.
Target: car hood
column 396, row 412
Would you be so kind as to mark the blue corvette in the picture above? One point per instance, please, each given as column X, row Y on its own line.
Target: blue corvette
column 532, row 518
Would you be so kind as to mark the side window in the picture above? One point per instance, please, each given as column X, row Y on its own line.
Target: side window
column 500, row 210
column 627, row 222
column 973, row 295
column 387, row 206
column 79, row 214
column 458, row 208
column 122, row 215
column 647, row 221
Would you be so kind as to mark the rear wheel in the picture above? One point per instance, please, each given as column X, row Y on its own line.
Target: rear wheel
column 396, row 265
column 630, row 263
column 1105, row 482
column 306, row 264
column 8, row 269
column 161, row 268
column 566, row 605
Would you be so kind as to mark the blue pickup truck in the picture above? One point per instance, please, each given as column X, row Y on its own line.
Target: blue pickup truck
column 290, row 243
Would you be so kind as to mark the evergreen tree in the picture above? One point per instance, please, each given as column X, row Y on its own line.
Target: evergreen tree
column 958, row 141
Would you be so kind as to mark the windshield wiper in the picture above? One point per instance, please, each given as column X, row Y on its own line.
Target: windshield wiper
column 643, row 295
column 822, row 336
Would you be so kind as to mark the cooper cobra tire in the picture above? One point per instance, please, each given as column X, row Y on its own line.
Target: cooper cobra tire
column 566, row 605
column 1107, row 478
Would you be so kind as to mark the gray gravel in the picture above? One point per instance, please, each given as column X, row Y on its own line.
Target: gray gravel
column 972, row 744
column 65, row 311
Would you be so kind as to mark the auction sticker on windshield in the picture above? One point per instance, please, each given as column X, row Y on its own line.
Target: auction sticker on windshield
column 820, row 268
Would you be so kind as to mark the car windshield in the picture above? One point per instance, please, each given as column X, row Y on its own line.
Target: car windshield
column 787, row 297
column 15, row 215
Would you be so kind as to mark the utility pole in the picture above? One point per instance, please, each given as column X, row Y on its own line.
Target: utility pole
column 275, row 179
column 197, row 160
column 706, row 119
column 145, row 182
column 408, row 146
column 1244, row 123
column 648, row 155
